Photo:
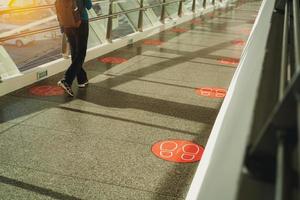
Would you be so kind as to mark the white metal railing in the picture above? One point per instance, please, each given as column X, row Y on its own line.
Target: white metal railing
column 218, row 174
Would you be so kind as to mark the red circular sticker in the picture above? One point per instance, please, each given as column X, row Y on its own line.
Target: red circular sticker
column 196, row 21
column 153, row 42
column 181, row 151
column 211, row 92
column 47, row 90
column 245, row 31
column 178, row 30
column 112, row 60
column 238, row 42
column 229, row 61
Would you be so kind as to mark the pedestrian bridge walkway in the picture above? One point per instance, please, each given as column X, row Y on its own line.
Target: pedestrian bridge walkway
column 98, row 145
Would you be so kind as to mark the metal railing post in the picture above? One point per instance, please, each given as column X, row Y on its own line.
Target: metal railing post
column 284, row 56
column 281, row 167
column 296, row 34
column 180, row 8
column 162, row 16
column 109, row 22
column 204, row 4
column 141, row 16
column 194, row 6
column 298, row 129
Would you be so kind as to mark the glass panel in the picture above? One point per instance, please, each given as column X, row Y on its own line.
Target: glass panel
column 93, row 40
column 134, row 16
column 172, row 9
column 188, row 4
column 7, row 66
column 155, row 12
column 100, row 26
column 199, row 4
column 31, row 51
column 209, row 2
column 157, row 9
column 121, row 24
column 147, row 22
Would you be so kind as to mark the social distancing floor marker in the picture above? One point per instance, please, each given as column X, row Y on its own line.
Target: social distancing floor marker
column 179, row 30
column 229, row 61
column 196, row 21
column 211, row 92
column 112, row 60
column 152, row 42
column 181, row 151
column 46, row 91
column 238, row 42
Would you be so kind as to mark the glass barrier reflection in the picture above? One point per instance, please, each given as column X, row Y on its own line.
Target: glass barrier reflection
column 172, row 9
column 39, row 48
column 188, row 5
column 156, row 9
column 30, row 51
column 122, row 26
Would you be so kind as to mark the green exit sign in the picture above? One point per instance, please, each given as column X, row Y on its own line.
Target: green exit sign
column 42, row 74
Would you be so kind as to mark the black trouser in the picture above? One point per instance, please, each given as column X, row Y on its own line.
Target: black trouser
column 77, row 38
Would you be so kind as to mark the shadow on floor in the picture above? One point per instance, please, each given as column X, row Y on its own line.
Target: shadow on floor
column 36, row 189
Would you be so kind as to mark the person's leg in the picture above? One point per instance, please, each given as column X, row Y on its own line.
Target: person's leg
column 71, row 72
column 66, row 83
column 79, row 42
column 82, row 47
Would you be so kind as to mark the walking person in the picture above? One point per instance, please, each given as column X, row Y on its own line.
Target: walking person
column 77, row 37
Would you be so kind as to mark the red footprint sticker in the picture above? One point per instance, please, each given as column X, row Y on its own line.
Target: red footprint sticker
column 196, row 21
column 180, row 151
column 179, row 30
column 112, row 60
column 239, row 42
column 211, row 92
column 153, row 42
column 229, row 61
column 210, row 14
column 46, row 91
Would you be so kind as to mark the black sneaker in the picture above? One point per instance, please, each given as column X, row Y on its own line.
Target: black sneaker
column 83, row 85
column 66, row 87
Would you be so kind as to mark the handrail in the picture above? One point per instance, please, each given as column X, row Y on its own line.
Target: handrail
column 296, row 33
column 53, row 28
column 42, row 7
column 34, row 8
column 284, row 56
column 222, row 162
